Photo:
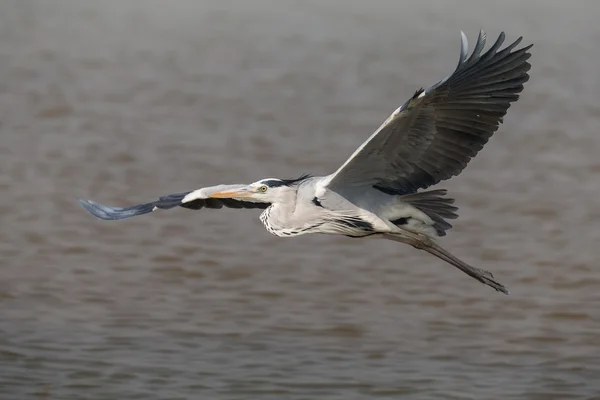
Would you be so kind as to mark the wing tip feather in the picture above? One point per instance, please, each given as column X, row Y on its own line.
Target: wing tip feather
column 107, row 213
column 464, row 48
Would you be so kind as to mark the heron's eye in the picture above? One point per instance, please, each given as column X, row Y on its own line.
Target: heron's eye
column 263, row 188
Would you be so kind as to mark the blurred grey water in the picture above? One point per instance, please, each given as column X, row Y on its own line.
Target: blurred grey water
column 122, row 101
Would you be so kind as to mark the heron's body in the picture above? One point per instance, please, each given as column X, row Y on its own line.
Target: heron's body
column 308, row 206
column 375, row 192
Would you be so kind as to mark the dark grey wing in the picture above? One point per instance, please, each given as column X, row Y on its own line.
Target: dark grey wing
column 200, row 199
column 434, row 135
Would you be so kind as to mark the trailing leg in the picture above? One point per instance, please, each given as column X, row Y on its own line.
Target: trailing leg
column 423, row 242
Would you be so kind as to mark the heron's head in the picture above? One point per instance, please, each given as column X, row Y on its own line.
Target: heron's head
column 268, row 190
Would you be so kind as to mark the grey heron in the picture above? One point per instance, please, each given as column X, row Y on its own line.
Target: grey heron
column 377, row 192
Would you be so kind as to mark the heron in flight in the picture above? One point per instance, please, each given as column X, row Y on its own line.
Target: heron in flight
column 375, row 193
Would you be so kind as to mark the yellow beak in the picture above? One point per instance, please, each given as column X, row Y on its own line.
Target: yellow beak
column 232, row 194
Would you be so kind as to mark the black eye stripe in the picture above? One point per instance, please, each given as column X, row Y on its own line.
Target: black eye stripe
column 273, row 183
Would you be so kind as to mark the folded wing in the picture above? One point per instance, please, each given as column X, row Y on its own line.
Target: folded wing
column 435, row 134
column 196, row 200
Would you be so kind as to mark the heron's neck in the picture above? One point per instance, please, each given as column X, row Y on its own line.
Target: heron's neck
column 280, row 218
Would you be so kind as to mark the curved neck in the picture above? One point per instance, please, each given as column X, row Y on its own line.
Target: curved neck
column 280, row 218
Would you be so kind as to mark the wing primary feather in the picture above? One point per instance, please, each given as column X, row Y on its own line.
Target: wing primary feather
column 478, row 46
column 114, row 213
column 464, row 49
column 493, row 50
column 171, row 200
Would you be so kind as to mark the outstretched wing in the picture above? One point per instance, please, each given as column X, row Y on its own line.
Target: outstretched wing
column 194, row 200
column 435, row 134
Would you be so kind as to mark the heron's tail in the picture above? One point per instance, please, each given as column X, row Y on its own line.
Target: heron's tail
column 424, row 243
column 436, row 206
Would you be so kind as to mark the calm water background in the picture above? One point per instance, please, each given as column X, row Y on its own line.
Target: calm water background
column 122, row 101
